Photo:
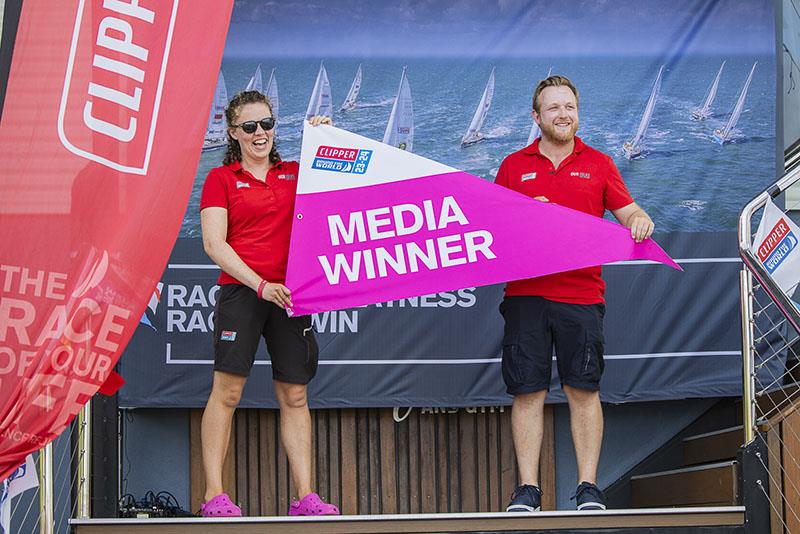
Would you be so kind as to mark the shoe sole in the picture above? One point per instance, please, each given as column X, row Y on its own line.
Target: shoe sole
column 591, row 506
column 522, row 508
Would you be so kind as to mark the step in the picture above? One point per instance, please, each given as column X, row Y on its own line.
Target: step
column 679, row 519
column 713, row 446
column 703, row 485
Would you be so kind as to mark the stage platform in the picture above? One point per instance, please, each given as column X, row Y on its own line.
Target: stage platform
column 726, row 519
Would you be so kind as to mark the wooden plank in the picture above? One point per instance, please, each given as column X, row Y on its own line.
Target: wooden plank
column 253, row 464
column 493, row 439
column 388, row 464
column 240, row 459
column 482, row 454
column 791, row 471
column 775, row 489
column 268, row 460
column 467, row 435
column 285, row 486
column 362, row 457
column 509, row 477
column 197, row 485
column 442, row 462
column 374, row 465
column 414, row 471
column 453, row 465
column 321, row 452
column 547, row 460
column 713, row 448
column 349, row 464
column 313, row 467
column 697, row 487
column 335, row 465
column 403, row 469
column 427, row 462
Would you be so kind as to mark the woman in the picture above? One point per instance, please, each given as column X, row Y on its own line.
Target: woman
column 246, row 214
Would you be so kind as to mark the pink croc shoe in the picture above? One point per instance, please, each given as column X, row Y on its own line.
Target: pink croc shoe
column 311, row 504
column 220, row 506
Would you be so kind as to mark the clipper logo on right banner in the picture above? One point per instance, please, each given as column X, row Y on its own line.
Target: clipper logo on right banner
column 775, row 244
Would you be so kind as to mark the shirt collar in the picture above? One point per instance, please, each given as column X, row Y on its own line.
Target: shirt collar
column 236, row 166
column 533, row 148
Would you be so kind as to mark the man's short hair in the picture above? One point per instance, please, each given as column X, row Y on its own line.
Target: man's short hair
column 552, row 81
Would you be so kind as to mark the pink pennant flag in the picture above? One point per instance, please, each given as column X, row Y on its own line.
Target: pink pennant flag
column 374, row 223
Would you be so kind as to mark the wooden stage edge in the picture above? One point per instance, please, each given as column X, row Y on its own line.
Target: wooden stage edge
column 461, row 522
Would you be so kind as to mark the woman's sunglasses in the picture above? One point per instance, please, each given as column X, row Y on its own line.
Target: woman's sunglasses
column 250, row 127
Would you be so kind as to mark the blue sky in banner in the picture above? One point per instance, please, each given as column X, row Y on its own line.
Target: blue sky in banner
column 505, row 28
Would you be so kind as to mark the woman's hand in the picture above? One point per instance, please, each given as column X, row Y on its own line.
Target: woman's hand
column 277, row 293
column 316, row 120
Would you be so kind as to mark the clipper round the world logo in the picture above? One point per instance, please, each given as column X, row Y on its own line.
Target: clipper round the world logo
column 114, row 80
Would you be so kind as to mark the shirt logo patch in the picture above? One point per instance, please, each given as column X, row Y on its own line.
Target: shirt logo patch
column 287, row 177
column 227, row 335
column 584, row 175
column 240, row 185
column 529, row 176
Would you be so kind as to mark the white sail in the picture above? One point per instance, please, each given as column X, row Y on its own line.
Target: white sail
column 400, row 128
column 535, row 127
column 321, row 102
column 705, row 110
column 633, row 147
column 216, row 130
column 256, row 82
column 272, row 93
column 723, row 135
column 350, row 101
column 473, row 133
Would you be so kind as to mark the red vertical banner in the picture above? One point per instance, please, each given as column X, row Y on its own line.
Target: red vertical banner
column 104, row 116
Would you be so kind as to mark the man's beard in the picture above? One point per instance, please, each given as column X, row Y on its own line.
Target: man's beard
column 556, row 136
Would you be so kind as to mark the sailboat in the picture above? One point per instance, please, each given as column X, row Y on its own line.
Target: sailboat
column 216, row 131
column 535, row 127
column 400, row 128
column 256, row 81
column 272, row 93
column 723, row 135
column 321, row 102
column 350, row 101
column 473, row 133
column 633, row 148
column 705, row 110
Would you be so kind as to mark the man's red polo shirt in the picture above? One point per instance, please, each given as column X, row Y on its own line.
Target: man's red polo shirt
column 587, row 180
column 259, row 215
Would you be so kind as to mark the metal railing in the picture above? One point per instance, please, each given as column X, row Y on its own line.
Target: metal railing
column 771, row 367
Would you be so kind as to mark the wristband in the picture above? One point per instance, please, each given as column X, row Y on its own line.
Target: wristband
column 261, row 285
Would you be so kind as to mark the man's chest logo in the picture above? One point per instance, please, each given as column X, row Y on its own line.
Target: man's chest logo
column 526, row 177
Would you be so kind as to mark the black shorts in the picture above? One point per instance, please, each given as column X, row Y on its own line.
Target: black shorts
column 241, row 318
column 534, row 326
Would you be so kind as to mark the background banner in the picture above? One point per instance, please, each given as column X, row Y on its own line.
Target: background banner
column 100, row 138
column 669, row 334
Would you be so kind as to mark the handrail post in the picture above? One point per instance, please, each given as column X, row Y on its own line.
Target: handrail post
column 84, row 461
column 47, row 486
column 748, row 360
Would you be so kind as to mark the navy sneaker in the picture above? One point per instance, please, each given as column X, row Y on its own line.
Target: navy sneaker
column 526, row 498
column 589, row 497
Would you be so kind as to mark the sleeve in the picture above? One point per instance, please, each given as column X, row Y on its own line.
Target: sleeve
column 214, row 193
column 616, row 194
column 502, row 174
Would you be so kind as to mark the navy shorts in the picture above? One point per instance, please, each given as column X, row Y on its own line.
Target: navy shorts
column 241, row 319
column 534, row 326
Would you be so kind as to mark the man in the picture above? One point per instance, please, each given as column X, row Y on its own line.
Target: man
column 564, row 310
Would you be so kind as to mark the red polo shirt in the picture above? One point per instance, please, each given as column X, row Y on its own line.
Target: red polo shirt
column 588, row 181
column 259, row 215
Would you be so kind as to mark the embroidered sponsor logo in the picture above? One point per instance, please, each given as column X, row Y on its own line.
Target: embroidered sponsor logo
column 526, row 177
column 780, row 242
column 584, row 175
column 240, row 185
column 336, row 159
column 113, row 85
column 287, row 177
column 227, row 335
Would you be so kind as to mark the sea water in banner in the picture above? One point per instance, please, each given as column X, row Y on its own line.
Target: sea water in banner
column 103, row 119
column 431, row 84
